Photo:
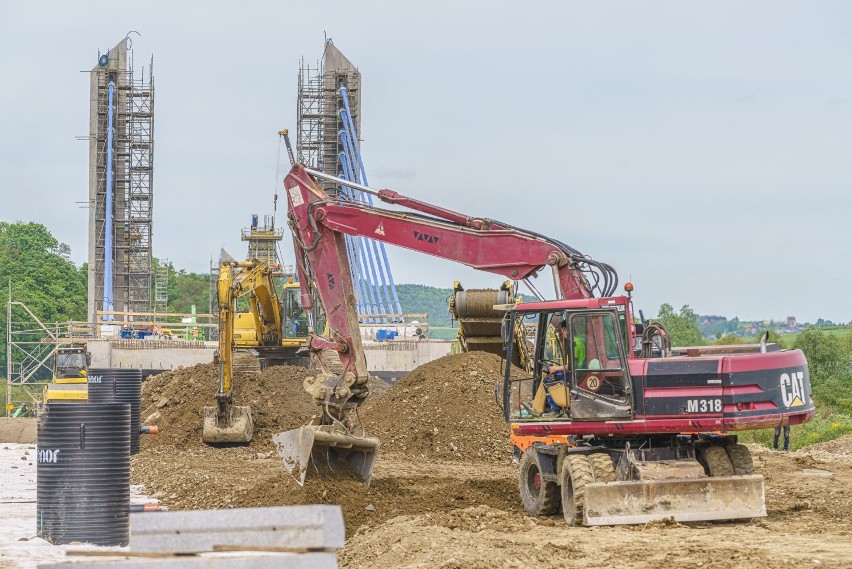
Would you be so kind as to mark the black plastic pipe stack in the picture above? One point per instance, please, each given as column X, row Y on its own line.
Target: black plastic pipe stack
column 83, row 488
column 119, row 385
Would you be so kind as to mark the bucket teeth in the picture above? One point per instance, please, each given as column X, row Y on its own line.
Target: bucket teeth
column 236, row 428
column 325, row 445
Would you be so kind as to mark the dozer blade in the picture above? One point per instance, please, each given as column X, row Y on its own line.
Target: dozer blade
column 325, row 445
column 685, row 500
column 236, row 428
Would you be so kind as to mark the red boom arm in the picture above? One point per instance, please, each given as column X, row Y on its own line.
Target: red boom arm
column 320, row 223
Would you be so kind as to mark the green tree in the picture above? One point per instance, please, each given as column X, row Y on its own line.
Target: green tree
column 683, row 326
column 728, row 339
column 416, row 298
column 41, row 274
column 189, row 289
column 830, row 365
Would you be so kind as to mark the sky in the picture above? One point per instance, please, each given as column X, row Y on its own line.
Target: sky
column 702, row 149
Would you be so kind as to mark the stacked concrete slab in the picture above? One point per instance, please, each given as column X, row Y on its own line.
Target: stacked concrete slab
column 291, row 537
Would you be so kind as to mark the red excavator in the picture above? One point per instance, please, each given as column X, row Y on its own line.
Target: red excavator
column 611, row 424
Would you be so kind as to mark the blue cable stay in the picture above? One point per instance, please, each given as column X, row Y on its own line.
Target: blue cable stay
column 360, row 268
column 352, row 134
column 354, row 260
column 108, row 253
column 368, row 273
column 375, row 270
column 379, row 275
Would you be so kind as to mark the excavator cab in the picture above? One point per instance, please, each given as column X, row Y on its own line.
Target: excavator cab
column 295, row 325
column 601, row 380
column 70, row 375
column 592, row 381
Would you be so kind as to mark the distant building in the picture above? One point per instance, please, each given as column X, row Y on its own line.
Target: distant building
column 791, row 322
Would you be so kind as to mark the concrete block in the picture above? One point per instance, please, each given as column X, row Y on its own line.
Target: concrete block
column 312, row 527
column 266, row 561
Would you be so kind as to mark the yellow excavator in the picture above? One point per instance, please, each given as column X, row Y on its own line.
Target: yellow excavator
column 294, row 331
column 277, row 338
column 70, row 375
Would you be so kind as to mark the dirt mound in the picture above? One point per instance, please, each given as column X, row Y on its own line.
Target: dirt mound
column 838, row 450
column 842, row 445
column 174, row 401
column 205, row 477
column 443, row 409
column 18, row 430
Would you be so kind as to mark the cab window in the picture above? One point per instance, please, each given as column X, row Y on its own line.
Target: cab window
column 598, row 365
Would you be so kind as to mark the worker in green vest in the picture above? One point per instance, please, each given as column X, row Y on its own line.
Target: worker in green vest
column 579, row 350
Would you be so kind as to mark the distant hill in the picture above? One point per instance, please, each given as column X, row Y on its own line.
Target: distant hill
column 418, row 298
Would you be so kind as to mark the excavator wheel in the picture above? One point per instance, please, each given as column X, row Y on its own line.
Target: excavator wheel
column 602, row 467
column 576, row 473
column 539, row 497
column 741, row 460
column 715, row 461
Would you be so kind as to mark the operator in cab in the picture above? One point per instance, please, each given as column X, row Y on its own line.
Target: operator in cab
column 71, row 364
column 579, row 351
column 552, row 397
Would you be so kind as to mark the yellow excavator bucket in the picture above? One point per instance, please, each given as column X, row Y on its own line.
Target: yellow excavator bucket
column 685, row 500
column 326, row 445
column 230, row 425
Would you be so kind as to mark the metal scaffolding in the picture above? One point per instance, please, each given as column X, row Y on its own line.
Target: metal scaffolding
column 318, row 120
column 263, row 241
column 161, row 287
column 30, row 349
column 309, row 114
column 131, row 173
column 329, row 125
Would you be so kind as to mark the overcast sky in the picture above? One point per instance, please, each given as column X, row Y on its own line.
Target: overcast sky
column 700, row 149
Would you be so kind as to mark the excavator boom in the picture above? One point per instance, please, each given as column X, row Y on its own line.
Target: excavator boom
column 320, row 224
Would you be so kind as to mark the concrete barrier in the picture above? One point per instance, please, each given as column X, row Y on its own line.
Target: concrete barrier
column 188, row 531
column 288, row 537
column 265, row 561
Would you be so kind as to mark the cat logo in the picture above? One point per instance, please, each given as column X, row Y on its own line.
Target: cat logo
column 793, row 389
column 380, row 230
column 425, row 237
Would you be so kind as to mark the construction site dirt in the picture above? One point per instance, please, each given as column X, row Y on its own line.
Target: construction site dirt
column 444, row 490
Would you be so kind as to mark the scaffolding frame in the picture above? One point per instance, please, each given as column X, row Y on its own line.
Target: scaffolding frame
column 133, row 166
column 318, row 121
column 263, row 242
column 161, row 288
column 309, row 115
column 30, row 349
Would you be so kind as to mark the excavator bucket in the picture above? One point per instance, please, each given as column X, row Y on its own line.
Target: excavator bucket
column 326, row 445
column 685, row 500
column 232, row 425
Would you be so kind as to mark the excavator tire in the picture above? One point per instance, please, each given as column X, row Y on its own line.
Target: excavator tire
column 741, row 460
column 576, row 473
column 715, row 461
column 539, row 497
column 602, row 467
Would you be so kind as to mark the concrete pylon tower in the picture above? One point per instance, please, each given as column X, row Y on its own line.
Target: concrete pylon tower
column 319, row 101
column 121, row 160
